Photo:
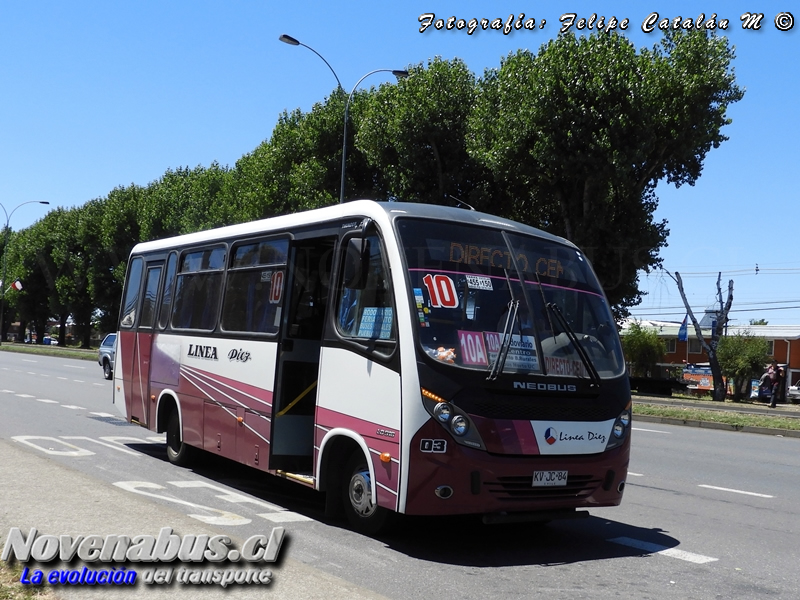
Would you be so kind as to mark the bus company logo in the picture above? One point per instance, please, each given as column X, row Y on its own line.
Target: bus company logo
column 551, row 436
column 238, row 355
column 204, row 352
column 544, row 387
column 386, row 433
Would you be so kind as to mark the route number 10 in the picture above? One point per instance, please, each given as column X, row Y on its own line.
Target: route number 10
column 442, row 291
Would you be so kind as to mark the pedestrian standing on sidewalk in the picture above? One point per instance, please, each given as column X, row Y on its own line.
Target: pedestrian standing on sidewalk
column 776, row 380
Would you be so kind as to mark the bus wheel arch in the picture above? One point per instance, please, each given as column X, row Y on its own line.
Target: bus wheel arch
column 169, row 420
column 347, row 476
column 359, row 501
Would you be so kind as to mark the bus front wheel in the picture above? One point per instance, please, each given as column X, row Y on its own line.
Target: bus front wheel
column 178, row 453
column 363, row 512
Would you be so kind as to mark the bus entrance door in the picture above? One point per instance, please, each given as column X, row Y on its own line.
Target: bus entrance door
column 292, row 440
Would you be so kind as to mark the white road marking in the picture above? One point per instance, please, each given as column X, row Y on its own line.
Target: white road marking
column 223, row 517
column 281, row 515
column 658, row 549
column 722, row 489
column 73, row 407
column 226, row 494
column 106, row 444
column 78, row 381
column 158, row 439
column 29, row 360
column 635, row 474
column 73, row 367
column 24, row 396
column 100, row 384
column 64, row 378
column 115, row 439
column 31, row 373
column 101, row 414
column 284, row 517
column 651, row 430
column 75, row 451
column 46, row 401
column 7, row 391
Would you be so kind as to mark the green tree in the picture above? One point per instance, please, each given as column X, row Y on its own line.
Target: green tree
column 580, row 134
column 643, row 348
column 758, row 322
column 742, row 357
column 26, row 257
column 415, row 132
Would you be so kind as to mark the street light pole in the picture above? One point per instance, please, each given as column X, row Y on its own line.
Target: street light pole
column 287, row 39
column 397, row 73
column 5, row 258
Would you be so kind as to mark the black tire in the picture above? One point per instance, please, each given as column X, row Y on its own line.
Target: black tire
column 107, row 372
column 363, row 515
column 178, row 453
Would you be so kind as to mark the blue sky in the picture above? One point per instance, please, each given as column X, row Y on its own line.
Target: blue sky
column 96, row 94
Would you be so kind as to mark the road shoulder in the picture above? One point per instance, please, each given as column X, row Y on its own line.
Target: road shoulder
column 57, row 500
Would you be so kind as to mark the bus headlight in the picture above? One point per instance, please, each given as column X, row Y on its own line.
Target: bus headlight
column 443, row 411
column 620, row 429
column 459, row 425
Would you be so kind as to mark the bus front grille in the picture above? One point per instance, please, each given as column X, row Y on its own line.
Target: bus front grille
column 521, row 488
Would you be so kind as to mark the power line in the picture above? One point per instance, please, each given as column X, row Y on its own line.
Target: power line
column 756, row 305
column 683, row 312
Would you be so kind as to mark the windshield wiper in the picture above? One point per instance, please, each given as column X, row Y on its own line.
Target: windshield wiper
column 587, row 362
column 505, row 346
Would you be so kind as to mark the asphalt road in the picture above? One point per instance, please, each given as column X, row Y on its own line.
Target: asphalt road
column 706, row 514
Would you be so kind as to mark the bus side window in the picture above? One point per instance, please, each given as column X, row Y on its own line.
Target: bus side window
column 166, row 297
column 254, row 286
column 149, row 300
column 132, row 293
column 367, row 311
column 198, row 289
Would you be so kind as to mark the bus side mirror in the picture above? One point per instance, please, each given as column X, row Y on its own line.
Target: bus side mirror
column 356, row 261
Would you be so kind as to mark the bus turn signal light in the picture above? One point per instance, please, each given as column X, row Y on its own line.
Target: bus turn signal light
column 432, row 396
column 386, row 457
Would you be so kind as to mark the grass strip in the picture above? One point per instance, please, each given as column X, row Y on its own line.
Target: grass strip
column 59, row 351
column 12, row 589
column 717, row 416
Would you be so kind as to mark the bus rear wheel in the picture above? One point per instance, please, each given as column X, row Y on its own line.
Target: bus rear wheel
column 362, row 510
column 178, row 453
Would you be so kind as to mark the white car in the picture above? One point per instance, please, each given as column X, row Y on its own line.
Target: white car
column 793, row 393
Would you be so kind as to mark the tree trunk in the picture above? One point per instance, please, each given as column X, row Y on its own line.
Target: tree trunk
column 720, row 388
column 62, row 330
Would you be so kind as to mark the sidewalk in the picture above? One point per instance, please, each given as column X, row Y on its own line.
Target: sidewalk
column 56, row 500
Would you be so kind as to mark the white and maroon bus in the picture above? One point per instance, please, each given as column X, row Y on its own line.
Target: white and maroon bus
column 402, row 358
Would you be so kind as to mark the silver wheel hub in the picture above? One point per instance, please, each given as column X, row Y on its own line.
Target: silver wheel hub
column 360, row 493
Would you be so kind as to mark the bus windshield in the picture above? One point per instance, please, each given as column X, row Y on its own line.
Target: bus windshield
column 504, row 302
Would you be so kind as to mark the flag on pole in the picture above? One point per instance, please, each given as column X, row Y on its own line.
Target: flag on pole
column 17, row 285
column 683, row 332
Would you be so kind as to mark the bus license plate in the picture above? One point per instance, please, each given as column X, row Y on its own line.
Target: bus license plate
column 549, row 478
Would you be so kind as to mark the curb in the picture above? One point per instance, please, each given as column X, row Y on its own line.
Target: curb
column 722, row 426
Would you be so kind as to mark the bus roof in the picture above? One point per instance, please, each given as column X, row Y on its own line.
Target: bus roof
column 379, row 211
